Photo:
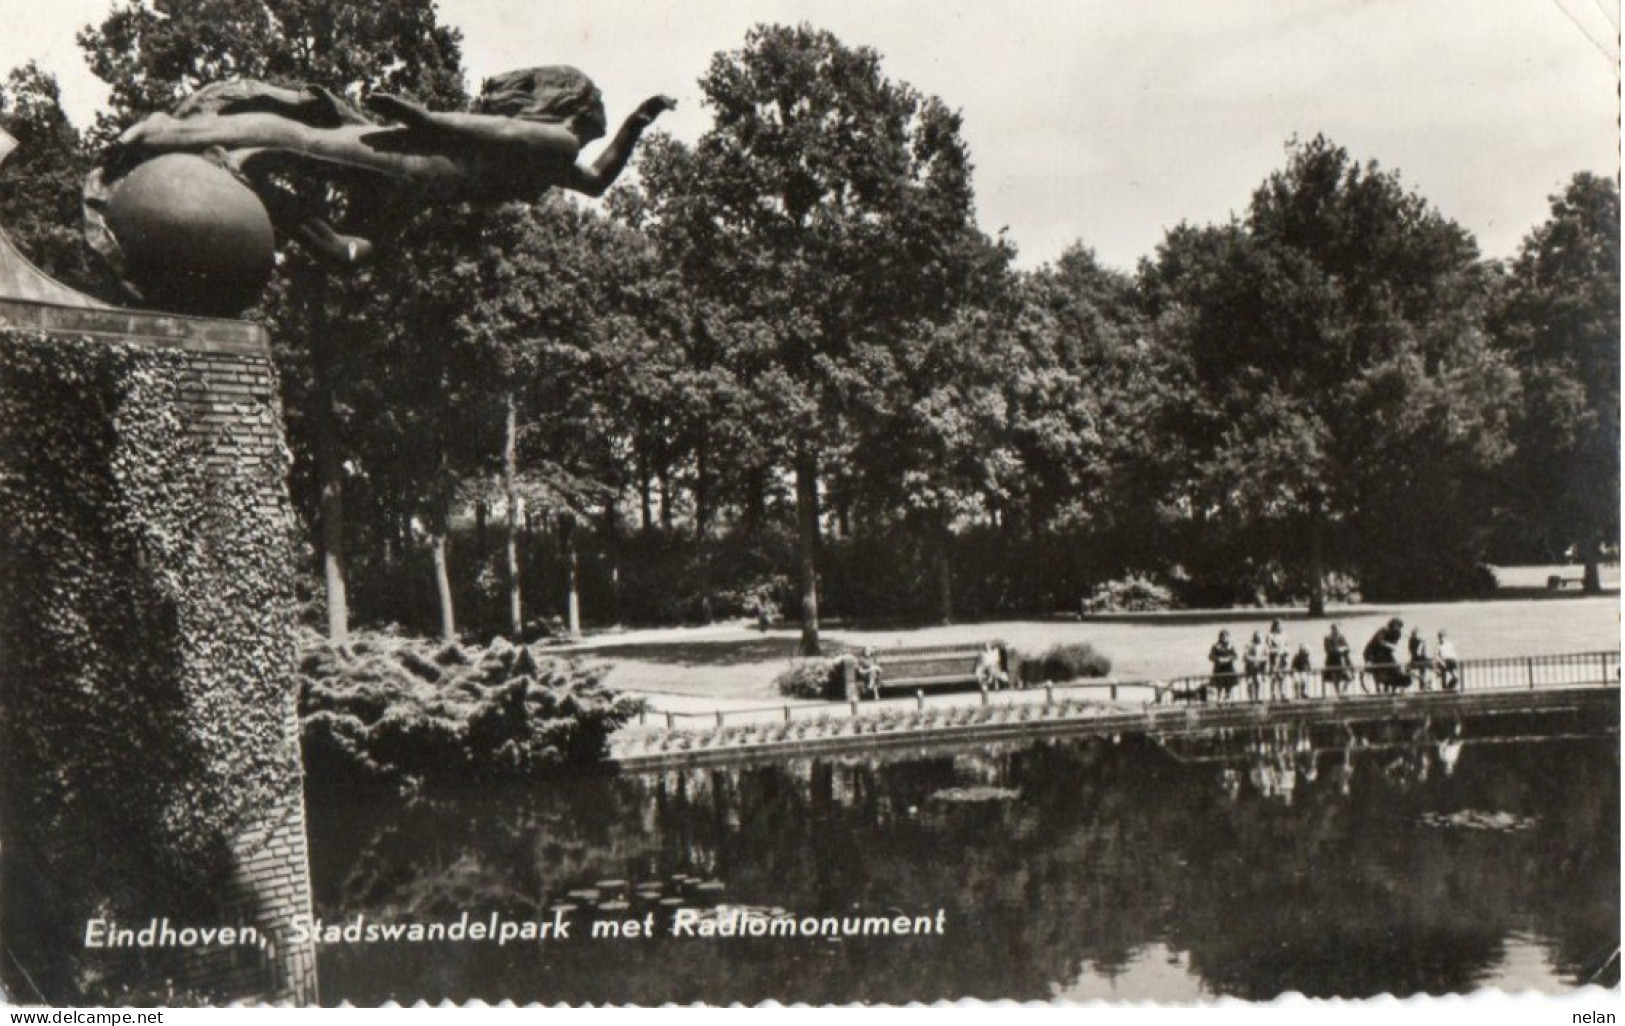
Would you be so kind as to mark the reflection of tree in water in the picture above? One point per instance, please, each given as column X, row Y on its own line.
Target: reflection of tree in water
column 1046, row 858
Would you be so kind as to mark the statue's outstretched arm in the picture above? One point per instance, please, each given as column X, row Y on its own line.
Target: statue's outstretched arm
column 597, row 177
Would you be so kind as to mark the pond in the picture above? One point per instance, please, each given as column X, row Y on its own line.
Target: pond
column 1339, row 860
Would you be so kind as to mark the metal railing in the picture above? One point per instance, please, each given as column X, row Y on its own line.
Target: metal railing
column 1569, row 669
column 1470, row 675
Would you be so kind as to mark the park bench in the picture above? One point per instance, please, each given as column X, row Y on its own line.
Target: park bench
column 903, row 671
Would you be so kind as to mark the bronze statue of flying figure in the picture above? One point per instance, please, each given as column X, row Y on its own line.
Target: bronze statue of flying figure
column 292, row 147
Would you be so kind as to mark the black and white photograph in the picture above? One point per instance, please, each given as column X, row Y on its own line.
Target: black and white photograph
column 809, row 502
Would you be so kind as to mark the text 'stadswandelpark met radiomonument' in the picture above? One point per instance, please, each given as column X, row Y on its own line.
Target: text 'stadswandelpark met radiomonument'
column 456, row 551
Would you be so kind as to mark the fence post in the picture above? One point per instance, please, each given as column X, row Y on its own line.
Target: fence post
column 670, row 721
column 1114, row 691
column 854, row 703
column 719, row 717
column 984, row 696
column 1529, row 668
column 1049, row 694
column 787, row 714
column 919, row 699
column 643, row 717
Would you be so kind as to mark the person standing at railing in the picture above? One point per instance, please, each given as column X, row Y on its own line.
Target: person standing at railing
column 1381, row 657
column 1339, row 658
column 1279, row 651
column 1449, row 663
column 1421, row 665
column 1255, row 660
column 1303, row 667
column 1223, row 657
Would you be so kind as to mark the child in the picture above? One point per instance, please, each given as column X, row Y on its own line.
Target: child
column 1302, row 666
column 1255, row 660
column 1278, row 650
column 1449, row 664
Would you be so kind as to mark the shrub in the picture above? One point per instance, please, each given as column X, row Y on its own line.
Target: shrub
column 808, row 678
column 1131, row 594
column 398, row 713
column 1064, row 663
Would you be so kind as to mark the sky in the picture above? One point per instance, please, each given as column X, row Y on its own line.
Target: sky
column 1106, row 122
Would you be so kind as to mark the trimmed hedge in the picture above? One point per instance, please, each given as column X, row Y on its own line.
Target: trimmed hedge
column 807, row 678
column 1063, row 663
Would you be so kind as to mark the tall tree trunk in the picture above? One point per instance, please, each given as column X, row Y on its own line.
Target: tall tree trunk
column 403, row 524
column 442, row 584
column 510, row 482
column 646, row 503
column 665, row 499
column 807, row 547
column 945, row 571
column 482, row 514
column 1591, row 581
column 567, row 540
column 1317, row 560
column 612, row 544
column 702, row 488
column 331, row 471
column 755, row 500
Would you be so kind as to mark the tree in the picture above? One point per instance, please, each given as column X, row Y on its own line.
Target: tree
column 39, row 184
column 1343, row 381
column 828, row 205
column 152, row 54
column 1559, row 324
column 552, row 328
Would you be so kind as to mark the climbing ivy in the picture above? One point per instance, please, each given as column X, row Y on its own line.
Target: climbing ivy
column 146, row 649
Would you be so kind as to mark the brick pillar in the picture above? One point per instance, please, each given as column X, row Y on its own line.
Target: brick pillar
column 226, row 401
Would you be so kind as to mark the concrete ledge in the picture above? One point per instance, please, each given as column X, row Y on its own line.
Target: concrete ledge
column 139, row 327
column 1603, row 700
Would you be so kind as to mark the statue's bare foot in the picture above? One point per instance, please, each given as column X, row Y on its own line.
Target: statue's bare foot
column 141, row 133
column 332, row 109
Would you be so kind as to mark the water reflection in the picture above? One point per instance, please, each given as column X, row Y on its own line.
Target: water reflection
column 1275, row 760
column 1330, row 859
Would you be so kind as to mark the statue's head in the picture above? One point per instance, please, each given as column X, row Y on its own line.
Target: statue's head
column 557, row 94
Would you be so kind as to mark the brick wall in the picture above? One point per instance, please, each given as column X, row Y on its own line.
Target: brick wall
column 231, row 406
column 228, row 403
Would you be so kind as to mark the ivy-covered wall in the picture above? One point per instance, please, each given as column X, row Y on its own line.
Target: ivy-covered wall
column 147, row 658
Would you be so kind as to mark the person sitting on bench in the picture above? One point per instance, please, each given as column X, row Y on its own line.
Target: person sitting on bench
column 868, row 673
column 990, row 676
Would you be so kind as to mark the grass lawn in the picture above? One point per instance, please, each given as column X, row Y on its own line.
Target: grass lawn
column 734, row 662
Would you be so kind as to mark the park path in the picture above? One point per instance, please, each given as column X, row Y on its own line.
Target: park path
column 733, row 665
